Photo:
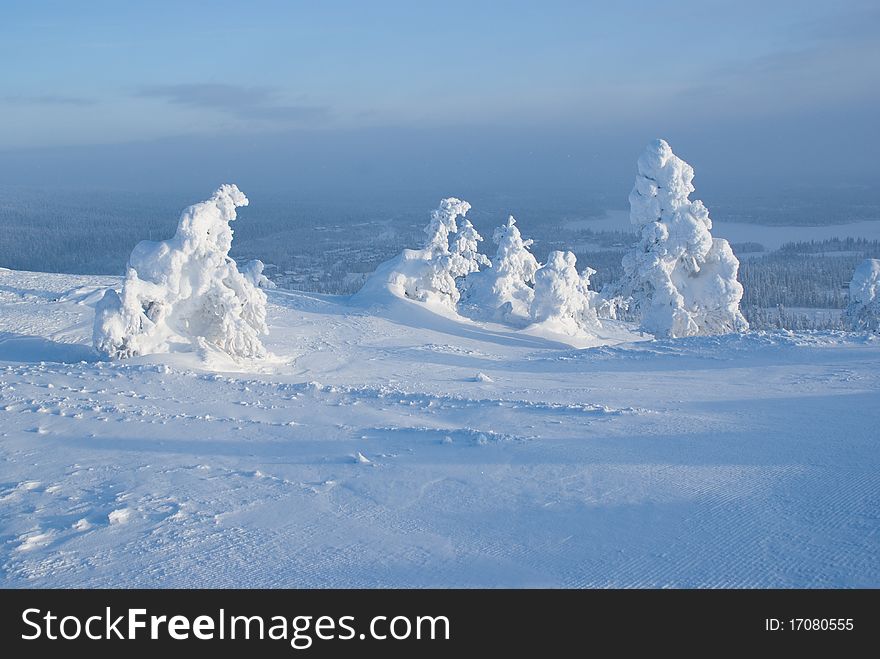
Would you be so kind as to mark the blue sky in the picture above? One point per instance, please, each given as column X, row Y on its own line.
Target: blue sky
column 114, row 73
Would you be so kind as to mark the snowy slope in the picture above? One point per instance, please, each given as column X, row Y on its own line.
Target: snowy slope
column 389, row 446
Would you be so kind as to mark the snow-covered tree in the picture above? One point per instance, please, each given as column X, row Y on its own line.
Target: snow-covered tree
column 253, row 272
column 186, row 292
column 863, row 312
column 443, row 223
column 505, row 290
column 678, row 279
column 465, row 256
column 563, row 300
column 429, row 274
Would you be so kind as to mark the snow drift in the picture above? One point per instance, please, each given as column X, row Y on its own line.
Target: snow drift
column 678, row 279
column 863, row 312
column 429, row 274
column 186, row 292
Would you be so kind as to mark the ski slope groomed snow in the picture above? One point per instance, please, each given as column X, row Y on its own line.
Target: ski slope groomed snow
column 385, row 445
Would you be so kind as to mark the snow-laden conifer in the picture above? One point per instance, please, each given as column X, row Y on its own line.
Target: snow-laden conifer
column 186, row 292
column 678, row 279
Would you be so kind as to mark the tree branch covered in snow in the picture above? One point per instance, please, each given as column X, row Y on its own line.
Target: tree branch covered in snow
column 678, row 279
column 186, row 292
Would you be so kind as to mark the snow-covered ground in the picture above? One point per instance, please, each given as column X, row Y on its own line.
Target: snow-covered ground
column 389, row 446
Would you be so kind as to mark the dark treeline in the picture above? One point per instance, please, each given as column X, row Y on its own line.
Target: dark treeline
column 861, row 246
column 812, row 274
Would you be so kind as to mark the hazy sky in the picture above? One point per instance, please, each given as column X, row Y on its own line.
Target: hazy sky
column 361, row 89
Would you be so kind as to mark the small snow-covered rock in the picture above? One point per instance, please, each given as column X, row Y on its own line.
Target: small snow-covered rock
column 120, row 516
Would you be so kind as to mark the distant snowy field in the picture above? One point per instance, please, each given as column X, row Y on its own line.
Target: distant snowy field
column 389, row 446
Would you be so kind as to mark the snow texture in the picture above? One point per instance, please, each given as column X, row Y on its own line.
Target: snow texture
column 863, row 312
column 505, row 291
column 186, row 292
column 677, row 279
column 489, row 457
column 429, row 274
column 563, row 301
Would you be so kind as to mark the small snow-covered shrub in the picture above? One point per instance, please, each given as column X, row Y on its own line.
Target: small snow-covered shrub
column 863, row 312
column 429, row 274
column 505, row 290
column 678, row 279
column 186, row 291
column 253, row 272
column 563, row 301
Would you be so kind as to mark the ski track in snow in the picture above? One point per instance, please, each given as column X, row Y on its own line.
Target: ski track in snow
column 370, row 453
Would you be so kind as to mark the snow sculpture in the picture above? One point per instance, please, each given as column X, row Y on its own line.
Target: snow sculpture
column 429, row 274
column 505, row 290
column 863, row 312
column 678, row 279
column 186, row 291
column 563, row 301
